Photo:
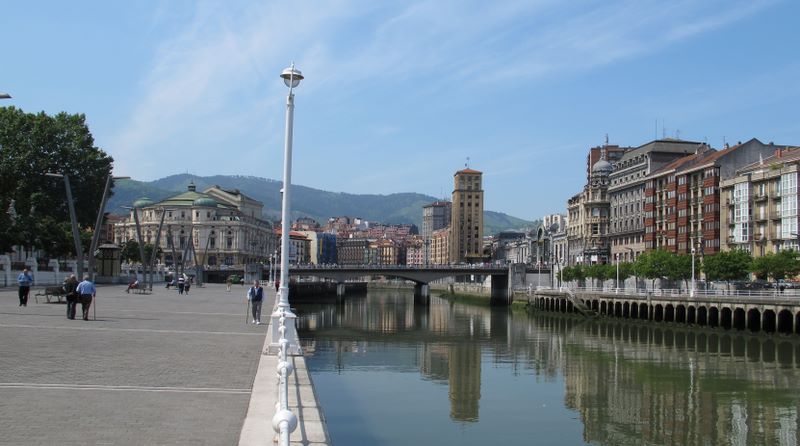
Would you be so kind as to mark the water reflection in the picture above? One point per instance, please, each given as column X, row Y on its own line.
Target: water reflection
column 629, row 383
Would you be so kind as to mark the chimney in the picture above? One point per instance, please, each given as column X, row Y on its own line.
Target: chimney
column 777, row 153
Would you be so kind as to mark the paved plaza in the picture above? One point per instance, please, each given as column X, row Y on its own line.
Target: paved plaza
column 155, row 369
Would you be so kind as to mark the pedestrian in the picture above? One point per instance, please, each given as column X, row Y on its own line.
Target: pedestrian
column 255, row 295
column 228, row 283
column 87, row 292
column 187, row 284
column 277, row 285
column 25, row 280
column 71, row 288
column 181, row 284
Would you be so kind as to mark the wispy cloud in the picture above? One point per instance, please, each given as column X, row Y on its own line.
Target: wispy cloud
column 211, row 91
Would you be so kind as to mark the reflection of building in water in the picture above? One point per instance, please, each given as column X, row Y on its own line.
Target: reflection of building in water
column 465, row 381
column 644, row 385
column 434, row 362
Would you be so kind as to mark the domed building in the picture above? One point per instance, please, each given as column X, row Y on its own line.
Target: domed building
column 213, row 227
column 589, row 216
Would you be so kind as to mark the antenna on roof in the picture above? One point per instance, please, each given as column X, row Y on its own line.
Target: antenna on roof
column 606, row 138
column 467, row 163
column 678, row 134
column 655, row 130
column 663, row 131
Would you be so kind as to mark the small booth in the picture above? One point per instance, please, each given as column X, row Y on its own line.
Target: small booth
column 108, row 263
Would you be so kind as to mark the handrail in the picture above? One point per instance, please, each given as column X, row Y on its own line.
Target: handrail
column 285, row 421
column 772, row 294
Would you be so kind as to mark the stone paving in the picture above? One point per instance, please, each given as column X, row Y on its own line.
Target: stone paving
column 153, row 369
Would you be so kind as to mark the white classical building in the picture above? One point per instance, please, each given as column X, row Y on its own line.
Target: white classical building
column 213, row 227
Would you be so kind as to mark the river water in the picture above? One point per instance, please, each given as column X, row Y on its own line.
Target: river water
column 388, row 372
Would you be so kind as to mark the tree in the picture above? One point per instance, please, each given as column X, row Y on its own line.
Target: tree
column 728, row 265
column 776, row 266
column 655, row 265
column 30, row 203
column 681, row 268
column 130, row 251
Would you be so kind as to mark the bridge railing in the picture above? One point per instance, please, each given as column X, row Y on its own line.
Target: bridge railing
column 767, row 294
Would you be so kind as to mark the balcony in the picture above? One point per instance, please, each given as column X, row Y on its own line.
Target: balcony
column 728, row 202
column 760, row 217
column 759, row 197
column 775, row 215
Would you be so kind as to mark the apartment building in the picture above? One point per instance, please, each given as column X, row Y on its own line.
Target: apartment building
column 466, row 222
column 682, row 199
column 588, row 218
column 759, row 214
column 626, row 192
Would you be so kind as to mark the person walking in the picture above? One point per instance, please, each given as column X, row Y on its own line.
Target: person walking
column 228, row 283
column 71, row 288
column 25, row 280
column 87, row 292
column 256, row 295
column 187, row 284
column 181, row 284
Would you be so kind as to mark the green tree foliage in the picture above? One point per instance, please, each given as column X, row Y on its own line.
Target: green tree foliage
column 681, row 268
column 776, row 266
column 33, row 206
column 625, row 271
column 728, row 265
column 655, row 265
column 129, row 251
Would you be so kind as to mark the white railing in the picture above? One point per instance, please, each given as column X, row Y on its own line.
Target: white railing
column 285, row 421
column 789, row 293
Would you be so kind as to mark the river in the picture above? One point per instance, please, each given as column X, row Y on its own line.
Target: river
column 388, row 373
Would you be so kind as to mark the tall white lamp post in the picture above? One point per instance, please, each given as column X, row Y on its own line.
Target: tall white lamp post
column 291, row 77
column 617, row 285
column 691, row 290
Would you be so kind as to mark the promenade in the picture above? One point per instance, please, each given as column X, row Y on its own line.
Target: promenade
column 158, row 369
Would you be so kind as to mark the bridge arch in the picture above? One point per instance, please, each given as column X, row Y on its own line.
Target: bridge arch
column 785, row 322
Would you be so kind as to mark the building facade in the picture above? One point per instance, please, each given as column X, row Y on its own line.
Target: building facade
column 435, row 216
column 759, row 214
column 466, row 222
column 213, row 227
column 682, row 200
column 588, row 218
column 626, row 192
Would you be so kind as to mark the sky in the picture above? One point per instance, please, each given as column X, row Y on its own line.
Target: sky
column 399, row 95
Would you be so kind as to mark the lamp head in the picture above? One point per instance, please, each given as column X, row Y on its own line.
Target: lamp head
column 292, row 77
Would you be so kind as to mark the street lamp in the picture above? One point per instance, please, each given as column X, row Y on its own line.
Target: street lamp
column 73, row 219
column 691, row 290
column 291, row 77
column 635, row 285
column 616, row 256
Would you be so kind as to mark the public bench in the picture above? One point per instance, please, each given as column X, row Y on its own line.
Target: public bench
column 51, row 292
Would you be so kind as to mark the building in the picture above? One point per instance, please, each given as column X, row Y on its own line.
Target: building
column 415, row 251
column 588, row 211
column 213, row 227
column 626, row 191
column 439, row 249
column 435, row 216
column 466, row 222
column 759, row 214
column 558, row 240
column 682, row 199
column 299, row 247
column 322, row 247
column 353, row 251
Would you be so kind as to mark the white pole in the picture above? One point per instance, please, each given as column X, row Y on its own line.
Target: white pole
column 617, row 286
column 285, row 223
column 691, row 290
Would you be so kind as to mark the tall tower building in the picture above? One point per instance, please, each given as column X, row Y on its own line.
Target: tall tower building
column 466, row 222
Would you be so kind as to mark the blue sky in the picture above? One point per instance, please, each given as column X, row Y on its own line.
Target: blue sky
column 398, row 94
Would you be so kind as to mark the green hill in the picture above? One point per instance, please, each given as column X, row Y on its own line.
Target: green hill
column 306, row 202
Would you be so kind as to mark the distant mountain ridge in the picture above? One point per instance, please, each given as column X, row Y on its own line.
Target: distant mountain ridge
column 398, row 208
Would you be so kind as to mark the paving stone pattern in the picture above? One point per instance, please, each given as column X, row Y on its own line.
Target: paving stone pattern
column 158, row 369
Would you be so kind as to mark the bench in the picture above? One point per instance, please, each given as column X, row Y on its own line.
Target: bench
column 51, row 292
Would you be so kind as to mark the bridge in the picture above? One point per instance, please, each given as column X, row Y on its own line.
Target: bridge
column 504, row 279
